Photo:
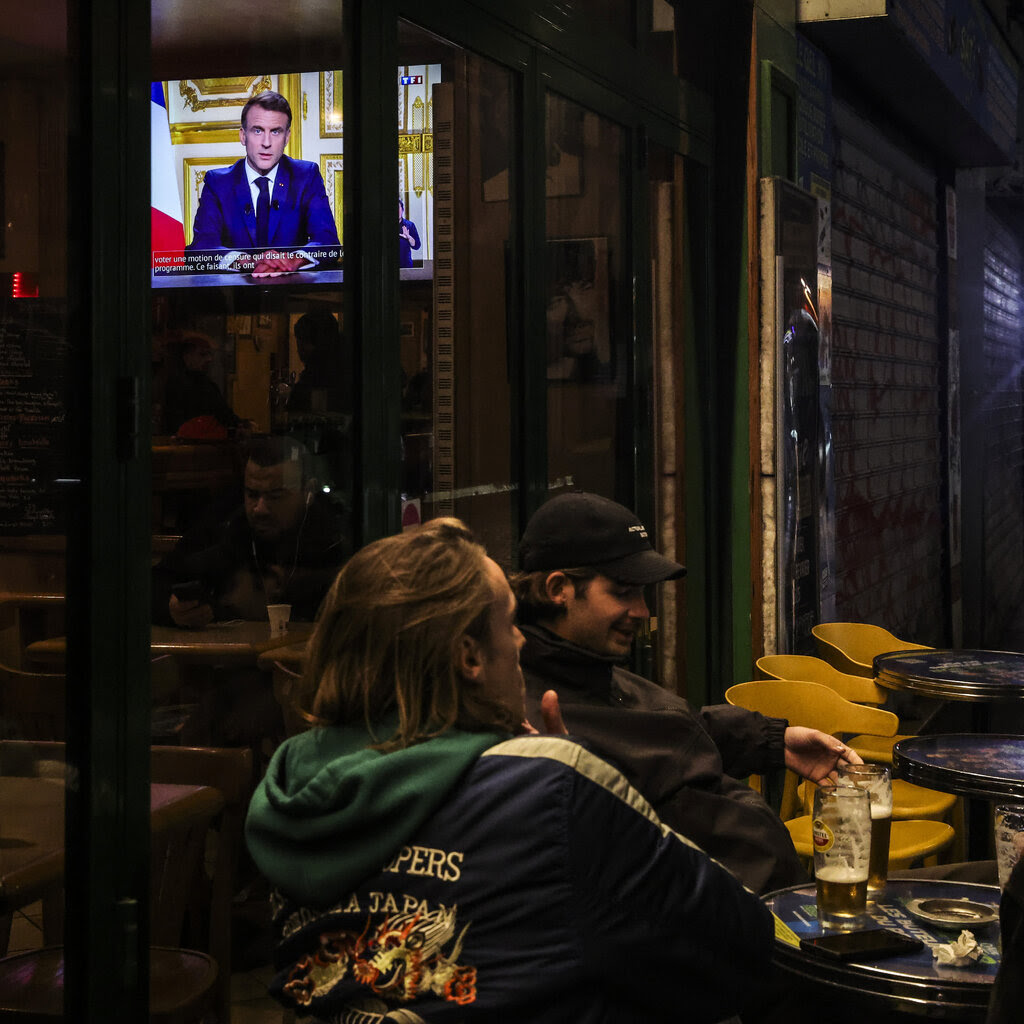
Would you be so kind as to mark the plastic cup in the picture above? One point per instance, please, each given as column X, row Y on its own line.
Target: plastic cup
column 1009, row 819
column 279, row 614
column 841, row 830
column 877, row 780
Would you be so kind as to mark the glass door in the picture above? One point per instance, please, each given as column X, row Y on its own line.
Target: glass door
column 39, row 469
column 458, row 158
column 73, row 681
column 589, row 322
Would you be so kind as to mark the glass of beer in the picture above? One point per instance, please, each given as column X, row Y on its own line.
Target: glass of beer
column 877, row 780
column 1009, row 820
column 841, row 830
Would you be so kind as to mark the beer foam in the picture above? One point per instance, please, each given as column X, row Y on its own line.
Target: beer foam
column 879, row 788
column 842, row 873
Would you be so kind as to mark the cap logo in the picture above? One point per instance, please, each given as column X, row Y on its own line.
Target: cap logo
column 639, row 528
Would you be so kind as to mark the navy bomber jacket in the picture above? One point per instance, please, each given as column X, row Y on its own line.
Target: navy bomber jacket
column 538, row 887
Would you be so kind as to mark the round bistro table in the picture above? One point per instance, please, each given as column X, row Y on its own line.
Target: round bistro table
column 986, row 766
column 913, row 984
column 953, row 674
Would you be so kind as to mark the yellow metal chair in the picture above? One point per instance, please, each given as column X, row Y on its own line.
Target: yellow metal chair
column 909, row 841
column 816, row 670
column 856, row 688
column 909, row 801
column 851, row 646
column 812, row 705
column 818, row 707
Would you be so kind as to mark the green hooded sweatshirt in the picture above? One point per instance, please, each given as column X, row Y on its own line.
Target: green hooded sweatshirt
column 330, row 812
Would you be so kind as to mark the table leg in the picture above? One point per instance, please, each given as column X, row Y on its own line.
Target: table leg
column 981, row 717
column 978, row 825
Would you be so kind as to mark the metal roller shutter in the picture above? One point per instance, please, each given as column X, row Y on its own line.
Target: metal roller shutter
column 887, row 379
column 1003, row 411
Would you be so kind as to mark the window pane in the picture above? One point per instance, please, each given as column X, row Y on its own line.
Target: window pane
column 37, row 421
column 254, row 391
column 589, row 335
column 661, row 40
column 455, row 166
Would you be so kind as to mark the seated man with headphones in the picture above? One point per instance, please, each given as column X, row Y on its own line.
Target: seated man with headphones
column 284, row 545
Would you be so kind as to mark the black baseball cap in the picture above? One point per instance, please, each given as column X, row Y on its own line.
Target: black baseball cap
column 580, row 530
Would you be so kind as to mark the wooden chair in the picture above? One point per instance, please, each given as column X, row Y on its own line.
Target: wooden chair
column 31, row 704
column 851, row 646
column 34, row 759
column 25, row 618
column 818, row 707
column 229, row 770
column 183, row 888
column 169, row 714
column 182, row 982
column 285, row 681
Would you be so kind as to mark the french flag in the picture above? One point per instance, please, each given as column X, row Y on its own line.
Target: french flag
column 167, row 223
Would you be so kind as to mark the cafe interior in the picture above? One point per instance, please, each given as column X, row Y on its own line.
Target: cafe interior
column 573, row 304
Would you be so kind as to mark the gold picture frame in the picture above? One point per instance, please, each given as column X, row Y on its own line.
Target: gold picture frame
column 193, row 175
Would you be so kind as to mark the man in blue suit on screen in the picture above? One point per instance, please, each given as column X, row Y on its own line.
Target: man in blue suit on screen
column 267, row 202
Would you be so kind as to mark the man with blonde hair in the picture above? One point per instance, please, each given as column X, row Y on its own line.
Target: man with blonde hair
column 431, row 861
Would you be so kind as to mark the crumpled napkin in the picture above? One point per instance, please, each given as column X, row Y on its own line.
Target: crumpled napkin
column 961, row 952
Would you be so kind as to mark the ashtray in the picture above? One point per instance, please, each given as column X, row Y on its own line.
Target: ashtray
column 953, row 913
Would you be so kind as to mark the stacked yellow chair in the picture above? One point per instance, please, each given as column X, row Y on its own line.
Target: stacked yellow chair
column 909, row 801
column 802, row 666
column 855, row 688
column 818, row 707
column 850, row 647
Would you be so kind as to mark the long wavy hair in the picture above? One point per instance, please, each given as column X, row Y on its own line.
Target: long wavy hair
column 389, row 635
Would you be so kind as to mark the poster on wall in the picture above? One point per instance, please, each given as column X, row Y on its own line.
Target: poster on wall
column 578, row 310
column 792, row 439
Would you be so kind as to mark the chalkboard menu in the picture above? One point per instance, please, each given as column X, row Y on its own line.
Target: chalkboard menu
column 34, row 355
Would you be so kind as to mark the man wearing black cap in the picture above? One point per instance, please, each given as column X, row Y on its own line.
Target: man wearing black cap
column 586, row 561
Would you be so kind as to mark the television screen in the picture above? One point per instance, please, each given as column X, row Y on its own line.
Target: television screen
column 214, row 222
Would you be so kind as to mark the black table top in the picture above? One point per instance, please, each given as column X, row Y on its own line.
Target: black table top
column 953, row 674
column 984, row 765
column 912, row 983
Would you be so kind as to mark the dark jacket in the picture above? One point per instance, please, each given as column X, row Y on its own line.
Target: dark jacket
column 686, row 764
column 299, row 213
column 191, row 393
column 1006, row 1005
column 237, row 571
column 466, row 879
column 405, row 246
